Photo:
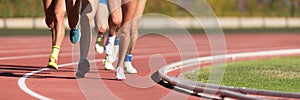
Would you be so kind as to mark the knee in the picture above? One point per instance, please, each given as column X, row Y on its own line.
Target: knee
column 134, row 29
column 59, row 15
column 102, row 29
column 116, row 20
column 124, row 32
column 88, row 16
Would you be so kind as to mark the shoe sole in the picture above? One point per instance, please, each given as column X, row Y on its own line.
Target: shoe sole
column 109, row 69
column 80, row 75
column 127, row 72
column 52, row 65
column 130, row 72
column 120, row 79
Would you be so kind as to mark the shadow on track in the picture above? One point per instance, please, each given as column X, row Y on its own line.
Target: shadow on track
column 20, row 70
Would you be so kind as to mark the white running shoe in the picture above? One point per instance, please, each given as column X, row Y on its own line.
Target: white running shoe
column 129, row 68
column 120, row 74
column 109, row 58
column 108, row 63
column 99, row 45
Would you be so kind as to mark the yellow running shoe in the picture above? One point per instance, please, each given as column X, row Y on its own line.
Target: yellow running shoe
column 53, row 62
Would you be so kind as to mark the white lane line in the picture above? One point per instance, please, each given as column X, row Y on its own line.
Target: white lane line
column 22, row 83
column 22, row 80
column 23, row 86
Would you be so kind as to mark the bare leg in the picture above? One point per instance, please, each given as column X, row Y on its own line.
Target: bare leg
column 115, row 17
column 101, row 25
column 129, row 12
column 87, row 17
column 134, row 35
column 57, row 9
column 101, row 18
column 49, row 6
column 73, row 12
column 86, row 21
column 60, row 11
column 114, row 23
column 135, row 24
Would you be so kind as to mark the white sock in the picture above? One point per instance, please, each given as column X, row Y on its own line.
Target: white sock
column 109, row 46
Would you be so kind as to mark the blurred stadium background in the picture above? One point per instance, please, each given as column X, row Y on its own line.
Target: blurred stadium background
column 232, row 14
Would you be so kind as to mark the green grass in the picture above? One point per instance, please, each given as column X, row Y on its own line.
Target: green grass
column 280, row 74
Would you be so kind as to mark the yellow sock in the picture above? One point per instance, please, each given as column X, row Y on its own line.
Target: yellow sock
column 55, row 51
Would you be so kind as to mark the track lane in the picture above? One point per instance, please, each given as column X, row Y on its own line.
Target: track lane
column 50, row 82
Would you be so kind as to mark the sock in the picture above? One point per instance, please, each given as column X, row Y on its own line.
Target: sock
column 109, row 46
column 117, row 41
column 55, row 51
column 128, row 58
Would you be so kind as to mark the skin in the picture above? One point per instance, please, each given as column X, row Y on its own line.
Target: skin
column 54, row 12
column 131, row 12
column 72, row 7
column 135, row 25
column 115, row 17
column 88, row 13
column 101, row 18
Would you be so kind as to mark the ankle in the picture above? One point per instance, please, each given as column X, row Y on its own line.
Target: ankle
column 128, row 58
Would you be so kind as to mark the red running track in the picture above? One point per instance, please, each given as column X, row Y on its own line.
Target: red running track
column 22, row 54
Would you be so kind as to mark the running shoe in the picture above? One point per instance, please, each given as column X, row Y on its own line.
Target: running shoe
column 120, row 74
column 83, row 68
column 53, row 62
column 99, row 45
column 75, row 35
column 116, row 49
column 108, row 63
column 129, row 68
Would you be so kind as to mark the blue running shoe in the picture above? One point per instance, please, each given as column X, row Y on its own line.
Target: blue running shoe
column 75, row 35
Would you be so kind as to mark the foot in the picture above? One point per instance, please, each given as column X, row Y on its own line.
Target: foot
column 116, row 49
column 129, row 68
column 83, row 68
column 120, row 74
column 99, row 45
column 53, row 62
column 108, row 63
column 75, row 35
